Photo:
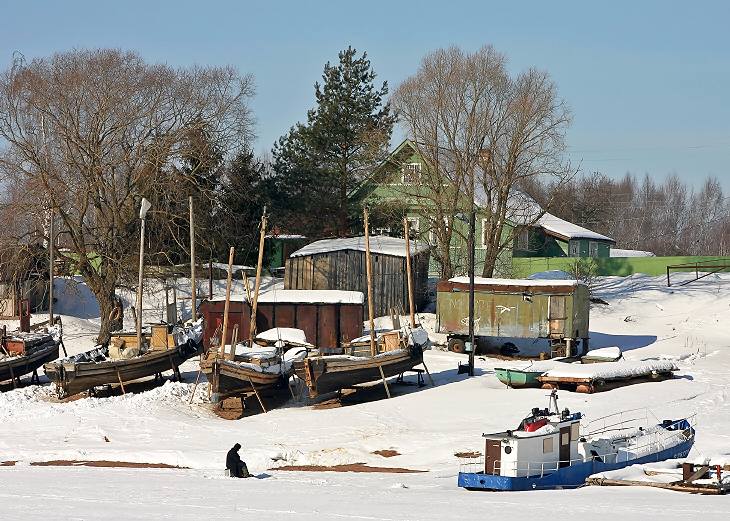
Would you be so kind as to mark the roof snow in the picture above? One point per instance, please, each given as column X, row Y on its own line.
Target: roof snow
column 379, row 244
column 516, row 282
column 303, row 296
column 566, row 230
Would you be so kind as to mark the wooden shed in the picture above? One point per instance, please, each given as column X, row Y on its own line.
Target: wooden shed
column 340, row 264
column 328, row 318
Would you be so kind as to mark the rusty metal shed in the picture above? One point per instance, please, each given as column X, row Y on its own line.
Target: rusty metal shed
column 328, row 318
column 340, row 264
column 515, row 308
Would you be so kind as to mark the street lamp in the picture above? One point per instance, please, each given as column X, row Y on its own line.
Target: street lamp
column 470, row 247
column 142, row 214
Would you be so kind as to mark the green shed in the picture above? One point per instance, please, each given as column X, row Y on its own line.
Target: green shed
column 557, row 310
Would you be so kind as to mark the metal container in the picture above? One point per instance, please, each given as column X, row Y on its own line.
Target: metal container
column 515, row 308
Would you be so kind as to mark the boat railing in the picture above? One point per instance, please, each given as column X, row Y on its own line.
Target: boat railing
column 655, row 441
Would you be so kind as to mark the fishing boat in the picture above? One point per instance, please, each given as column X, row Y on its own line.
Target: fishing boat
column 525, row 374
column 258, row 368
column 396, row 353
column 121, row 361
column 550, row 448
column 24, row 353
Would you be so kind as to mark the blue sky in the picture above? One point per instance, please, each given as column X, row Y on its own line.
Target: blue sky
column 647, row 82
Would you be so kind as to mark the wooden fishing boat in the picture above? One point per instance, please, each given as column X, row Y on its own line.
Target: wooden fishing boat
column 257, row 369
column 24, row 353
column 105, row 365
column 328, row 373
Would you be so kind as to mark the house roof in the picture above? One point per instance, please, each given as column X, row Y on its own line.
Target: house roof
column 562, row 229
column 379, row 244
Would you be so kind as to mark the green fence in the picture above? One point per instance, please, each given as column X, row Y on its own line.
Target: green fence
column 619, row 266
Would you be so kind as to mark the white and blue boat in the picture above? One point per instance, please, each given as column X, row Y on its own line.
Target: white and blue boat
column 551, row 449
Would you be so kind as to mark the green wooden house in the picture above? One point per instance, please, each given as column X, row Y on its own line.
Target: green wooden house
column 396, row 182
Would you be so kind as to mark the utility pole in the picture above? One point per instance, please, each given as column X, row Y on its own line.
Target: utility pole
column 193, row 289
column 51, row 236
column 471, row 245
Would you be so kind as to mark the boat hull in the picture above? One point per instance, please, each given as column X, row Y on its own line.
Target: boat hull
column 229, row 379
column 23, row 365
column 72, row 378
column 324, row 376
column 518, row 379
column 567, row 477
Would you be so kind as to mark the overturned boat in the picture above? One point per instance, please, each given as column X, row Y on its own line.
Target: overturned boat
column 121, row 360
column 396, row 353
column 24, row 353
column 265, row 366
column 551, row 449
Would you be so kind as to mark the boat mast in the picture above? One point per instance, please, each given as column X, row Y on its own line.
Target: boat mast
column 369, row 272
column 193, row 289
column 411, row 307
column 226, row 307
column 257, row 285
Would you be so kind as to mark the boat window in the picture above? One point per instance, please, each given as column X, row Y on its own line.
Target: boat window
column 547, row 445
column 564, row 438
column 575, row 431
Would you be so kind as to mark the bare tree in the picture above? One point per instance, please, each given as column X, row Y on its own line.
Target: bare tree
column 483, row 134
column 89, row 132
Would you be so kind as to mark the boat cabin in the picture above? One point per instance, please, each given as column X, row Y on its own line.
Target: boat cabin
column 544, row 442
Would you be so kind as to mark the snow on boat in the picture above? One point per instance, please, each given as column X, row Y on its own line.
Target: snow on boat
column 589, row 378
column 550, row 449
column 24, row 353
column 396, row 354
column 121, row 361
column 604, row 354
column 256, row 368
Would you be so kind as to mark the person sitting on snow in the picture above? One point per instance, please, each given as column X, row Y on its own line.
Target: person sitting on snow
column 234, row 464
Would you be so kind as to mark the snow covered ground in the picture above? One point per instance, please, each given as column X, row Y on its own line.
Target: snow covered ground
column 426, row 427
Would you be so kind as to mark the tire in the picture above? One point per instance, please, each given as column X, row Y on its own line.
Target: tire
column 456, row 345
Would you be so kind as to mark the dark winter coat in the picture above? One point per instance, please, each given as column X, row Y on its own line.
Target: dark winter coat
column 233, row 460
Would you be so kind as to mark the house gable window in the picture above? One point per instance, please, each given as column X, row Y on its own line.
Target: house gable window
column 484, row 233
column 411, row 173
column 432, row 237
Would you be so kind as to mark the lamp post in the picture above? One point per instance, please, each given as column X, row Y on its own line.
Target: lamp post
column 142, row 214
column 471, row 220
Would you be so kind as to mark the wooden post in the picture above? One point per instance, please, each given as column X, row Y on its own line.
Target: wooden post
column 257, row 286
column 224, row 333
column 411, row 306
column 369, row 272
column 50, row 270
column 244, row 276
column 210, row 279
column 142, row 214
column 193, row 289
column 385, row 384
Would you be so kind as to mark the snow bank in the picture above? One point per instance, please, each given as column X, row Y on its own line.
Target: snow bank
column 611, row 370
column 616, row 252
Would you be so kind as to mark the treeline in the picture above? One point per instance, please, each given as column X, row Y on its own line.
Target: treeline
column 666, row 218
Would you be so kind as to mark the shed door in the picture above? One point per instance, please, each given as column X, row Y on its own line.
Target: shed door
column 564, row 446
column 492, row 454
column 556, row 315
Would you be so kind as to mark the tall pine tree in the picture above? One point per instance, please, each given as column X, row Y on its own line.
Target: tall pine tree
column 320, row 166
